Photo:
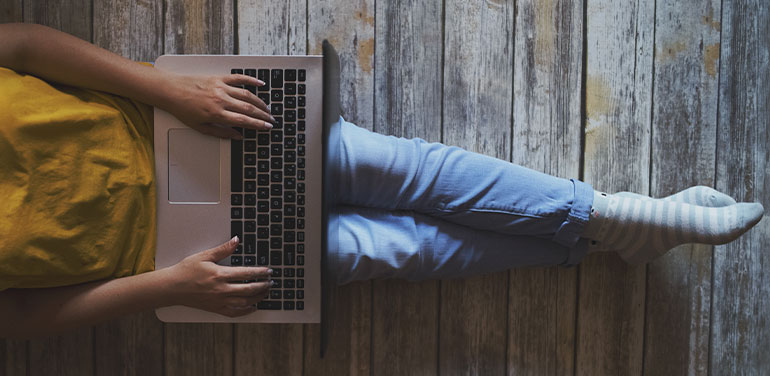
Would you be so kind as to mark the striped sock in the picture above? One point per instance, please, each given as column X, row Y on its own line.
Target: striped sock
column 640, row 230
column 698, row 195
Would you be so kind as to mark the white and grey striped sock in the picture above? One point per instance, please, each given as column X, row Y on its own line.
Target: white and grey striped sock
column 697, row 195
column 641, row 230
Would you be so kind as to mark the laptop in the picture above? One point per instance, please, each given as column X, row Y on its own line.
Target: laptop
column 274, row 189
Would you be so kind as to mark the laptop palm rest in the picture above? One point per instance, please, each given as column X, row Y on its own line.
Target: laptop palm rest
column 193, row 167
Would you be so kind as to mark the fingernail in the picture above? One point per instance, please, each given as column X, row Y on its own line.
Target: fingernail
column 273, row 119
column 272, row 283
column 268, row 125
column 261, row 82
column 234, row 240
column 270, row 271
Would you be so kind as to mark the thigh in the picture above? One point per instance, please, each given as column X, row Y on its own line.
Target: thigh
column 376, row 243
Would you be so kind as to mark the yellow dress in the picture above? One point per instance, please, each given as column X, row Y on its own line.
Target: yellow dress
column 77, row 185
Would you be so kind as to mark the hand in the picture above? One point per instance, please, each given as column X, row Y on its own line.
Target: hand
column 199, row 282
column 213, row 105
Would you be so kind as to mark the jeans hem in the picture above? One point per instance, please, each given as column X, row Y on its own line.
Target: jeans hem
column 570, row 230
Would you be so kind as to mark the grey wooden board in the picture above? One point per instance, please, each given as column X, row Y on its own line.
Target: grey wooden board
column 132, row 345
column 407, row 104
column 477, row 113
column 199, row 26
column 740, row 316
column 627, row 147
column 13, row 353
column 618, row 94
column 70, row 353
column 548, row 51
column 269, row 29
column 684, row 120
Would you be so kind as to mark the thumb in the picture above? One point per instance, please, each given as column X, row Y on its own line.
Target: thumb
column 221, row 251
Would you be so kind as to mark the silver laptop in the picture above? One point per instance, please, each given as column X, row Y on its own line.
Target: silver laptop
column 267, row 188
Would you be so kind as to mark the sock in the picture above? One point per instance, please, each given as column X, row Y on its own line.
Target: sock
column 697, row 195
column 640, row 230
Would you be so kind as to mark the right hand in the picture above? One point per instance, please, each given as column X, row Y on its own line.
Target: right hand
column 200, row 282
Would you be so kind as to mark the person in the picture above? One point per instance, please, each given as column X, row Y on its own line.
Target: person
column 77, row 223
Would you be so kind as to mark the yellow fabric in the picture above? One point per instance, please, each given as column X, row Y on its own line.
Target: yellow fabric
column 77, row 187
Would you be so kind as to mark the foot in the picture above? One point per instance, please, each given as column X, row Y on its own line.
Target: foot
column 642, row 229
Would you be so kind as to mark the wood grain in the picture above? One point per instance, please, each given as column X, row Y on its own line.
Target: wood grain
column 72, row 352
column 269, row 29
column 199, row 27
column 10, row 11
column 131, row 345
column 542, row 302
column 477, row 113
column 684, row 120
column 133, row 29
column 740, row 327
column 617, row 151
column 13, row 353
column 407, row 104
column 205, row 27
column 198, row 349
column 69, row 16
column 349, row 26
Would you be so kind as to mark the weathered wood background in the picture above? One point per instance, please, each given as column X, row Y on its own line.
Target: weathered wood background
column 649, row 96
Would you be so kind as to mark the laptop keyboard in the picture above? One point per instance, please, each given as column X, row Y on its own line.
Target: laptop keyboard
column 268, row 188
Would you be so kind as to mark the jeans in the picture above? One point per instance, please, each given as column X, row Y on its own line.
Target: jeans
column 415, row 210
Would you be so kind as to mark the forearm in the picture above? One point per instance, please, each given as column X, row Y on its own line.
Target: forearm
column 42, row 312
column 62, row 58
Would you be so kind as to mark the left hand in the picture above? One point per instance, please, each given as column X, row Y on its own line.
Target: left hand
column 213, row 104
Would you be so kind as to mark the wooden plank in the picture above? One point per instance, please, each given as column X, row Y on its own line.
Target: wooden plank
column 68, row 354
column 130, row 28
column 206, row 27
column 407, row 104
column 740, row 335
column 617, row 151
column 477, row 108
column 131, row 345
column 349, row 26
column 13, row 353
column 69, row 16
column 10, row 11
column 684, row 121
column 269, row 29
column 72, row 352
column 199, row 27
column 542, row 302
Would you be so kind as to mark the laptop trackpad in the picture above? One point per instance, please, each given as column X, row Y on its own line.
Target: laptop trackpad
column 193, row 167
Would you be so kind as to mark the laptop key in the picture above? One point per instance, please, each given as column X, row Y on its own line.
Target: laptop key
column 264, row 76
column 236, row 229
column 301, row 89
column 269, row 304
column 276, row 78
column 249, row 213
column 236, row 167
column 262, row 219
column 236, row 199
column 265, row 97
column 301, row 75
column 275, row 294
column 291, row 75
column 249, row 244
column 300, row 294
column 290, row 88
column 236, row 260
column 288, row 306
column 288, row 294
column 275, row 258
column 236, row 213
column 300, row 306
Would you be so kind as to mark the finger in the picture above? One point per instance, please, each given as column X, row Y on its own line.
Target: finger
column 219, row 131
column 248, row 97
column 248, row 109
column 235, row 119
column 241, row 79
column 249, row 289
column 221, row 251
column 245, row 273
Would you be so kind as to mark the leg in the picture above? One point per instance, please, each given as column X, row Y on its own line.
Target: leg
column 459, row 186
column 376, row 243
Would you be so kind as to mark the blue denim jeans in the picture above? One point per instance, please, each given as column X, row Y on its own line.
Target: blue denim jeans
column 416, row 210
